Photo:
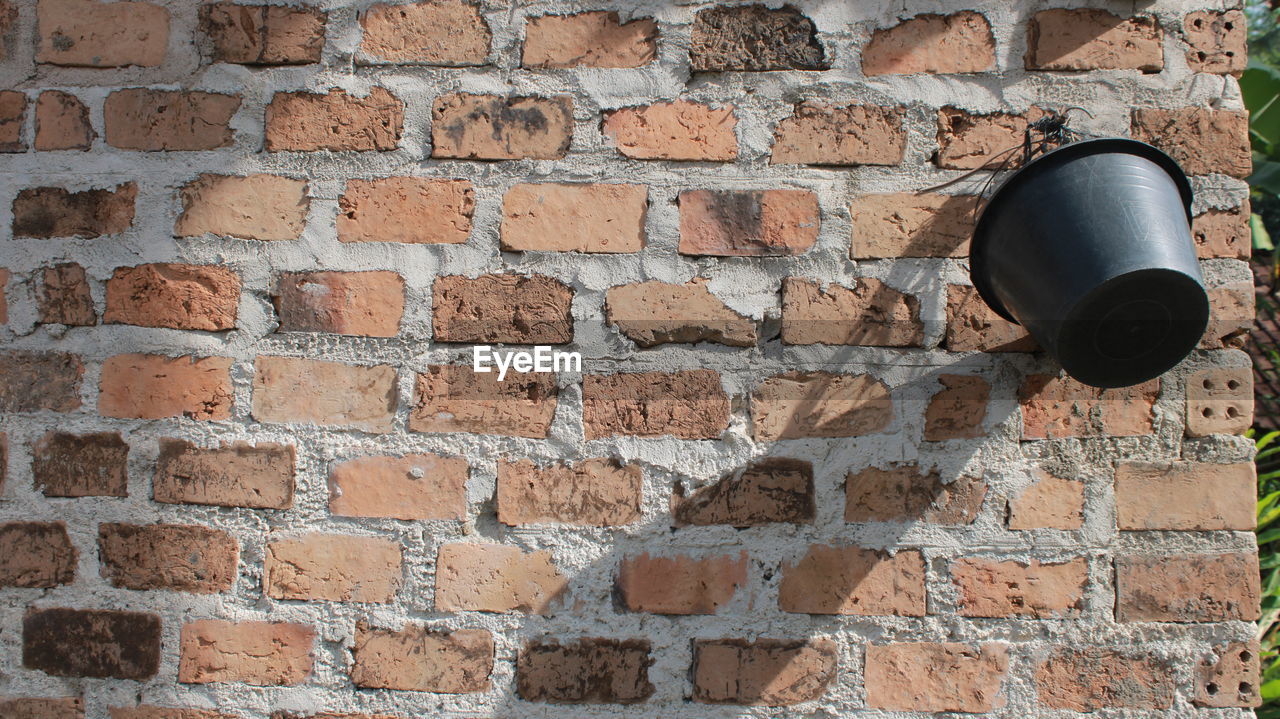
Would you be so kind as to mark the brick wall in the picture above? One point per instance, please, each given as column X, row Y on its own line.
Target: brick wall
column 248, row 471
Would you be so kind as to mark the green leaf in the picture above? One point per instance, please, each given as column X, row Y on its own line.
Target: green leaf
column 1270, row 690
column 1261, row 238
column 1260, row 88
column 1266, row 177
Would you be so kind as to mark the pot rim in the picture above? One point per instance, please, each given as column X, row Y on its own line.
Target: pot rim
column 1065, row 153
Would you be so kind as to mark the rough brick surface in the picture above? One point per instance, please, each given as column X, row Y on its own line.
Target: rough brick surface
column 54, row 212
column 32, row 382
column 750, row 223
column 491, row 127
column 1092, row 39
column 502, row 308
column 337, row 121
column 62, row 122
column 904, row 492
column 36, row 708
column 416, row 486
column 973, row 325
column 1201, row 140
column 13, row 117
column 152, row 120
column 440, row 32
column 239, row 474
column 957, row 43
column 679, row 130
column 1219, row 402
column 291, row 390
column 854, row 580
column 689, row 404
column 253, row 207
column 754, row 37
column 870, row 313
column 173, row 557
column 1217, row 41
column 1223, row 233
column 1093, row 678
column 655, row 313
column 766, row 672
column 775, row 489
column 65, row 297
column 496, row 578
column 968, row 141
column 594, row 492
column 36, row 555
column 177, row 296
column 1230, row 677
column 333, row 567
column 588, row 39
column 1050, row 502
column 151, row 711
column 1187, row 588
column 821, row 134
column 1185, row 495
column 368, row 304
column 413, row 210
column 935, row 677
column 958, row 411
column 680, row 584
column 417, row 658
column 1231, row 316
column 88, row 33
column 575, row 218
column 257, row 653
column 91, row 643
column 145, row 386
column 453, row 398
column 1043, row 590
column 819, row 404
column 264, row 34
column 1058, row 406
column 588, row 671
column 88, row 465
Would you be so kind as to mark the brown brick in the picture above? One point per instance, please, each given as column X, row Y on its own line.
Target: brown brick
column 307, row 121
column 502, row 308
column 149, row 711
column 65, row 297
column 91, row 643
column 680, row 584
column 1049, row 503
column 413, row 210
column 1094, row 678
column 821, row 134
column 905, row 492
column 1201, row 140
column 689, row 404
column 587, row 671
column 1187, row 588
column 990, row 588
column 36, row 555
column 554, row 217
column 143, row 386
column 766, row 672
column 935, row 677
column 973, row 326
column 594, row 492
column 1219, row 401
column 333, row 567
column 748, row 223
column 412, row 487
column 332, row 715
column 39, row 381
column 172, row 557
column 257, row 653
column 86, row 465
column 496, row 578
column 1217, row 41
column 62, row 122
column 4, row 300
column 968, row 141
column 441, row 32
column 796, row 405
column 1223, row 233
column 1231, row 317
column 853, row 580
column 869, row 314
column 678, row 130
column 1230, row 678
column 368, row 304
column 264, row 34
column 38, row 708
column 1185, row 496
column 958, row 410
column 8, row 17
column 45, row 212
column 492, row 127
column 1058, row 406
column 589, row 39
column 910, row 224
column 416, row 658
column 13, row 120
column 173, row 295
column 755, row 38
column 655, row 313
column 235, row 475
column 453, row 398
column 939, row 44
column 1093, row 39
column 253, row 207
column 773, row 489
column 150, row 120
column 87, row 33
column 291, row 390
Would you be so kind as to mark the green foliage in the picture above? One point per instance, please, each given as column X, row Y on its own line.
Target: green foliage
column 1260, row 89
column 1268, row 462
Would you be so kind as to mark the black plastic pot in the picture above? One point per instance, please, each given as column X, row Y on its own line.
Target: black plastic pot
column 1089, row 247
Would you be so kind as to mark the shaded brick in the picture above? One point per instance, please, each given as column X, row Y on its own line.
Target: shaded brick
column 766, row 672
column 149, row 711
column 4, row 300
column 556, row 217
column 1094, row 678
column 1093, row 39
column 46, row 212
column 1040, row 590
column 939, row 44
column 968, row 141
column 1058, row 406
column 333, row 567
column 264, row 34
column 678, row 130
column 871, row 313
column 910, row 224
column 253, row 207
column 501, row 308
column 13, row 120
column 493, row 127
column 62, row 122
column 773, row 489
column 1219, row 401
column 1199, row 139
column 655, row 313
column 65, row 297
column 958, row 410
column 173, row 557
column 1230, row 678
column 854, row 580
column 680, row 584
column 412, row 487
column 368, row 304
column 973, row 326
column 258, row 476
column 87, row 33
column 587, row 671
column 143, row 386
column 454, row 398
column 1231, row 317
column 414, row 210
column 91, row 643
column 416, row 658
column 291, row 390
column 1223, row 233
column 822, row 134
column 748, row 223
column 594, row 492
column 85, row 465
column 256, row 653
column 796, row 405
column 337, row 121
column 689, row 404
column 1049, row 503
column 39, row 708
column 905, row 492
column 1186, row 496
column 589, row 39
column 935, row 677
column 39, row 381
column 496, row 578
column 754, row 37
column 152, row 120
column 1217, row 41
column 440, row 32
column 173, row 295
column 36, row 555
column 1187, row 588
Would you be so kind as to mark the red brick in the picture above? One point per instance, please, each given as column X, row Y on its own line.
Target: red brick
column 959, row 43
column 150, row 120
column 754, row 38
column 1040, row 590
column 679, row 130
column 39, row 381
column 36, row 555
column 869, row 313
column 909, row 224
column 680, row 584
column 1187, row 588
column 773, row 489
column 87, row 465
column 854, row 580
column 417, row 658
column 689, row 404
column 1220, row 401
column 766, row 672
column 453, row 398
column 46, row 212
column 368, row 304
column 87, row 33
column 654, row 313
column 177, row 296
column 264, row 34
column 821, row 134
column 1093, row 39
column 38, row 708
column 936, row 677
column 501, row 308
column 149, row 711
column 905, row 492
column 968, row 141
column 1223, row 233
column 587, row 671
column 172, row 557
column 4, row 300
column 1199, row 139
column 257, row 653
column 1049, row 503
column 1231, row 317
column 412, row 487
column 62, row 122
column 239, row 474
column 91, row 643
column 1231, row 677
column 589, row 39
column 143, row 386
column 414, row 210
column 492, row 127
column 594, row 492
column 333, row 567
column 496, row 578
column 819, row 404
column 253, row 207
column 441, row 32
column 306, row 121
column 1186, row 496
column 65, row 297
column 13, row 120
column 958, row 410
column 555, row 217
column 1092, row 678
column 8, row 16
column 1058, row 406
column 748, row 223
column 291, row 390
column 1217, row 41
